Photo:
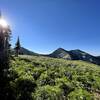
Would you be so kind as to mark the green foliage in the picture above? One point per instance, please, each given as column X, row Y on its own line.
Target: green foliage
column 47, row 92
column 43, row 78
column 80, row 94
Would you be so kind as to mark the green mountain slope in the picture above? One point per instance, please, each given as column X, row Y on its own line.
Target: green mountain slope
column 44, row 78
column 64, row 54
column 74, row 55
column 81, row 55
column 61, row 53
column 24, row 51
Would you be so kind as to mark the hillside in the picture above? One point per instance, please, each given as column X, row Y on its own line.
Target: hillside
column 64, row 54
column 60, row 53
column 74, row 55
column 24, row 51
column 44, row 78
column 81, row 55
column 98, row 57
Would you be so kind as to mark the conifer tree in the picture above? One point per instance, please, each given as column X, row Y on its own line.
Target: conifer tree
column 17, row 47
column 5, row 34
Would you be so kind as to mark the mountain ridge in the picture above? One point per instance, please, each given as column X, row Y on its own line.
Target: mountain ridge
column 76, row 54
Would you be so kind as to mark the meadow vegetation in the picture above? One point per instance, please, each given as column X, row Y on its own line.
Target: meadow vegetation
column 44, row 78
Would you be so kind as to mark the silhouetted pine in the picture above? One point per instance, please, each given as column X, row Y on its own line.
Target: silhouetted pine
column 6, row 93
column 17, row 47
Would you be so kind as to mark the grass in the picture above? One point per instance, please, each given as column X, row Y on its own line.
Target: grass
column 55, row 79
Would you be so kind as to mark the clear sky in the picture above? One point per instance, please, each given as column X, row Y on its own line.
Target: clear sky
column 45, row 25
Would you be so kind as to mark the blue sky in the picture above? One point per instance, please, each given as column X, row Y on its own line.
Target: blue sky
column 45, row 25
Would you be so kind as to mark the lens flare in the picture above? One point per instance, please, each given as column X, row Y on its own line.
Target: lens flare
column 3, row 23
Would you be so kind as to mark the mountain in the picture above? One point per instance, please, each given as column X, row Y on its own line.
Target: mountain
column 64, row 54
column 98, row 57
column 81, row 55
column 24, row 51
column 74, row 55
column 61, row 53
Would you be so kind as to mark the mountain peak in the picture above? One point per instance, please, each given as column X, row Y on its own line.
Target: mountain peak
column 60, row 49
column 61, row 53
column 76, row 54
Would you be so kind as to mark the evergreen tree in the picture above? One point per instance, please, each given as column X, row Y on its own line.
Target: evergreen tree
column 17, row 47
column 5, row 33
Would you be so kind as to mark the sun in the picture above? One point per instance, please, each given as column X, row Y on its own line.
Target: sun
column 3, row 23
